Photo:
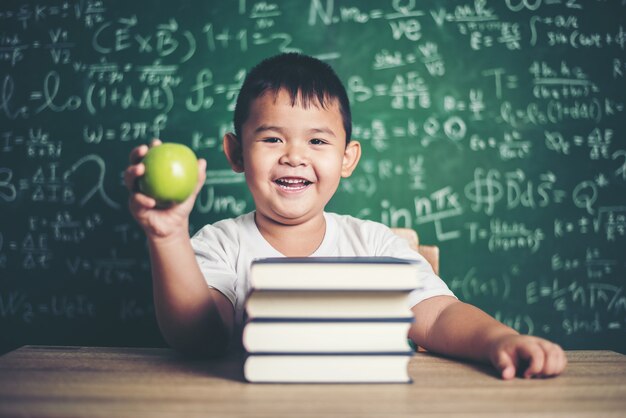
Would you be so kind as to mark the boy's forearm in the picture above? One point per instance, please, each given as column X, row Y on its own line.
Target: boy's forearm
column 457, row 329
column 191, row 316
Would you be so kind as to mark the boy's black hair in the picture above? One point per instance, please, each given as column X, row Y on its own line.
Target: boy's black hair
column 305, row 78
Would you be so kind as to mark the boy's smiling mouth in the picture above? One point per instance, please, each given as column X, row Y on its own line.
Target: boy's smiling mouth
column 292, row 183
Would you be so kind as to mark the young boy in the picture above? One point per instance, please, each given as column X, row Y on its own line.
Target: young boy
column 292, row 142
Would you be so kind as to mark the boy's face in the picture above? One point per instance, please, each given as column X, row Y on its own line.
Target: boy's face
column 292, row 157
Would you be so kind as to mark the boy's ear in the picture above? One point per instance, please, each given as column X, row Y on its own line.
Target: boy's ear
column 233, row 151
column 351, row 157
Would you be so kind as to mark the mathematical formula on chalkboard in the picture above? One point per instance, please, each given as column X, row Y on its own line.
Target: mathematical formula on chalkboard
column 496, row 129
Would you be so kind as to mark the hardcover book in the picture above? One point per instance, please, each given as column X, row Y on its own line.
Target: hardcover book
column 316, row 304
column 329, row 319
column 327, row 337
column 334, row 273
column 327, row 368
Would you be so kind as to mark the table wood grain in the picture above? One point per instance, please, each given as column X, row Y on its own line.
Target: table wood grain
column 50, row 381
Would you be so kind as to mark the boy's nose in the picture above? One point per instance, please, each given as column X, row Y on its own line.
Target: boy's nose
column 294, row 155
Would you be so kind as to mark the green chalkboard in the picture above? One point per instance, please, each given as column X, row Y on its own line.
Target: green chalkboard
column 496, row 129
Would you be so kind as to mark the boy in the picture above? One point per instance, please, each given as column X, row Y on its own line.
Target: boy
column 292, row 142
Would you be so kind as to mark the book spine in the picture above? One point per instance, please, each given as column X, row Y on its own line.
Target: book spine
column 334, row 354
column 330, row 320
column 334, row 290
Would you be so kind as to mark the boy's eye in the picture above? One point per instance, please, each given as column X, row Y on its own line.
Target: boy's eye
column 272, row 140
column 317, row 141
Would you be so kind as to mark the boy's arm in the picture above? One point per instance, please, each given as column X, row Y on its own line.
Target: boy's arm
column 192, row 316
column 447, row 326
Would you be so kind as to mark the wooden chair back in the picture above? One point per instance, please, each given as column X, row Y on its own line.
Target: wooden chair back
column 429, row 252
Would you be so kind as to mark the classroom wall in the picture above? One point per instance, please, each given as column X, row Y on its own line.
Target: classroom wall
column 496, row 129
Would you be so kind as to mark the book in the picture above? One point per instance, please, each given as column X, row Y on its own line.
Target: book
column 313, row 368
column 329, row 319
column 332, row 336
column 315, row 304
column 334, row 273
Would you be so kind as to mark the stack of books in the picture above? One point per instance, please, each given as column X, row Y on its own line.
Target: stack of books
column 329, row 319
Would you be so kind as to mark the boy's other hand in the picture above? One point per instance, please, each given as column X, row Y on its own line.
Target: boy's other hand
column 527, row 357
column 158, row 222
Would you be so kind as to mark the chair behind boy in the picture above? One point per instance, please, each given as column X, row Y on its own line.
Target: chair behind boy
column 429, row 252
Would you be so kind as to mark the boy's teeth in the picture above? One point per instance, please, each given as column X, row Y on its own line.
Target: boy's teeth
column 293, row 183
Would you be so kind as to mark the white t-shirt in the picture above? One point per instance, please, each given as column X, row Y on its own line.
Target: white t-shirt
column 226, row 249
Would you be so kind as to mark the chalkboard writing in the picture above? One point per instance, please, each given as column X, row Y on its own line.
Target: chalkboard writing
column 496, row 129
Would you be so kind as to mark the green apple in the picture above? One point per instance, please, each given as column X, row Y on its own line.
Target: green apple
column 171, row 173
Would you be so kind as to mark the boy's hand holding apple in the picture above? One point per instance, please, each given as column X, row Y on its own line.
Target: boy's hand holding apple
column 164, row 180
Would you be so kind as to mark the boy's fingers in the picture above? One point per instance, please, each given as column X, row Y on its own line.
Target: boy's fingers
column 137, row 154
column 138, row 201
column 529, row 357
column 506, row 366
column 131, row 174
column 155, row 142
column 536, row 355
column 508, row 372
column 201, row 175
column 563, row 360
column 555, row 360
column 145, row 201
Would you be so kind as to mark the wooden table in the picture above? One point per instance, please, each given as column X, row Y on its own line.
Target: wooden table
column 46, row 381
